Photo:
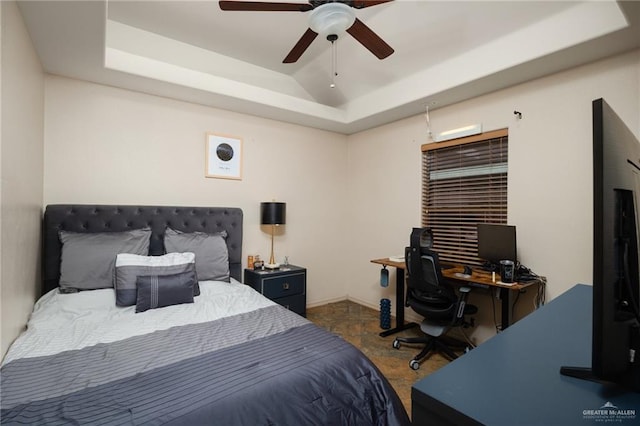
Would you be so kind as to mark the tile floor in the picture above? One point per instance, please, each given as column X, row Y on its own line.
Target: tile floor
column 360, row 326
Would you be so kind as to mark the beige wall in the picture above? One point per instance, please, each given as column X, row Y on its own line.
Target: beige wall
column 550, row 176
column 107, row 146
column 22, row 91
column 348, row 202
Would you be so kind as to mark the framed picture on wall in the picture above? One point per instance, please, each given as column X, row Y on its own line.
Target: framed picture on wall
column 223, row 157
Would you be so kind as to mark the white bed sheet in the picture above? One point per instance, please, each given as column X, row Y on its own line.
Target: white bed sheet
column 61, row 322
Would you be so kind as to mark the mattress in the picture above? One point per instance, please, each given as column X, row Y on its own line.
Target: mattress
column 231, row 357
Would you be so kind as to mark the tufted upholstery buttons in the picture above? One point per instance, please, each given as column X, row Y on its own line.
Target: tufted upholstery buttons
column 117, row 218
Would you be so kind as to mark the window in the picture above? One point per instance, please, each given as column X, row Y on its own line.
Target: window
column 464, row 182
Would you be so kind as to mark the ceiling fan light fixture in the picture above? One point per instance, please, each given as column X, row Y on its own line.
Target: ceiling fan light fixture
column 331, row 18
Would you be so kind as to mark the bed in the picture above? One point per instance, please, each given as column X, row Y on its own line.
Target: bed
column 193, row 348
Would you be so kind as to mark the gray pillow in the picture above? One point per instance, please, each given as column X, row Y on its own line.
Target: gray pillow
column 212, row 255
column 88, row 259
column 130, row 266
column 158, row 291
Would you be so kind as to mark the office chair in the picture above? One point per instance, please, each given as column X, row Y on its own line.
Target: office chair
column 431, row 296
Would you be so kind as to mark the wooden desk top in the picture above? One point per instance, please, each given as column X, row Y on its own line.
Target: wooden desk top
column 388, row 262
column 481, row 276
column 478, row 275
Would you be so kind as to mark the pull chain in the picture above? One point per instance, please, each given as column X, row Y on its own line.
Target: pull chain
column 334, row 59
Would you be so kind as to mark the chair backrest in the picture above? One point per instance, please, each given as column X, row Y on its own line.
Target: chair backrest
column 424, row 279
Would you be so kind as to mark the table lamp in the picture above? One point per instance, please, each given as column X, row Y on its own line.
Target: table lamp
column 274, row 214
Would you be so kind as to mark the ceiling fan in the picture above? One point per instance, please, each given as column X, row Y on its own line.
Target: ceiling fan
column 328, row 17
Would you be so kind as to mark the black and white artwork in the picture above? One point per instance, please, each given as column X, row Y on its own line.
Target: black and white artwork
column 223, row 156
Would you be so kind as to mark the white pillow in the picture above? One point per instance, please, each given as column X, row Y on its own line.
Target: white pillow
column 130, row 266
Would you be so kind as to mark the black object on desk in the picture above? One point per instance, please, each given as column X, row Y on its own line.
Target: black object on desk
column 514, row 378
column 286, row 286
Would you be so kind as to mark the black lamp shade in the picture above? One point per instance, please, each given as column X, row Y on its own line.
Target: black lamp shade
column 273, row 213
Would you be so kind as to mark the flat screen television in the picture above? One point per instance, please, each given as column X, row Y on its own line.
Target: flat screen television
column 615, row 353
column 495, row 243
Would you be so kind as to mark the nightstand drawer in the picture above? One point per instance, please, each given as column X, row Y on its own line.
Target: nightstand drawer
column 294, row 303
column 286, row 286
column 289, row 285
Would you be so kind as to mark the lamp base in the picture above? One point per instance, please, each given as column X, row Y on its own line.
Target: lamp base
column 272, row 266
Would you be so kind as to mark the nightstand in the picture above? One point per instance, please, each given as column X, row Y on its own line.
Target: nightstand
column 286, row 286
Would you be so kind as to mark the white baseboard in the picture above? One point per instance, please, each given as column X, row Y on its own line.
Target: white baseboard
column 363, row 303
column 409, row 314
column 326, row 302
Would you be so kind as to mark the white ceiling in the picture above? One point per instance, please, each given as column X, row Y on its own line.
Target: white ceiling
column 445, row 52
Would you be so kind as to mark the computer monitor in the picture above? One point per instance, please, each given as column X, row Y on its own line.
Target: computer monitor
column 496, row 243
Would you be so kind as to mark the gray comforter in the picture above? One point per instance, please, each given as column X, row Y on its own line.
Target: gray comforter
column 265, row 367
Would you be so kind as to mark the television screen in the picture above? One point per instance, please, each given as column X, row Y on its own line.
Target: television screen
column 496, row 243
column 616, row 278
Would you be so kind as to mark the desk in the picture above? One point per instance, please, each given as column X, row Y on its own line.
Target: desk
column 400, row 325
column 480, row 278
column 514, row 377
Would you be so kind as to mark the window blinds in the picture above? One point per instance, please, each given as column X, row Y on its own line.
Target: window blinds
column 464, row 182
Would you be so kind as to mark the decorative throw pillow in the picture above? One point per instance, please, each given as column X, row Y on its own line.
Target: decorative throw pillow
column 212, row 255
column 130, row 266
column 88, row 259
column 158, row 291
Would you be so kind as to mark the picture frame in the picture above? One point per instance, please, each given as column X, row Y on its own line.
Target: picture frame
column 223, row 156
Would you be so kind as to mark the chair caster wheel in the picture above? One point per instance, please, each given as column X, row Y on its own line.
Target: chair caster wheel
column 396, row 344
column 415, row 365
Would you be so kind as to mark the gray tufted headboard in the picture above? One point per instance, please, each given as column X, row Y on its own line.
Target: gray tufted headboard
column 114, row 218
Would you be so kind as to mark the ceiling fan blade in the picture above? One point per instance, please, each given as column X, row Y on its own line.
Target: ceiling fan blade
column 301, row 46
column 259, row 6
column 361, row 4
column 369, row 39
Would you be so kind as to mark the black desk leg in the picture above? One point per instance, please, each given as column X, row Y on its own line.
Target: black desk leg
column 505, row 297
column 400, row 325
